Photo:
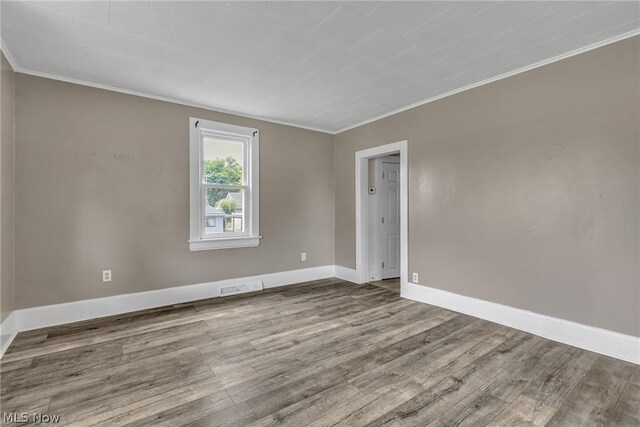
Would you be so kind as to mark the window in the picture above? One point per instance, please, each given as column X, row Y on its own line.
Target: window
column 224, row 186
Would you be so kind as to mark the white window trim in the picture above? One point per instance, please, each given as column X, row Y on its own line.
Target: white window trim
column 251, row 237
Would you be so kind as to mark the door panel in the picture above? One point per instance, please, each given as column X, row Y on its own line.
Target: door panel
column 393, row 248
column 393, row 213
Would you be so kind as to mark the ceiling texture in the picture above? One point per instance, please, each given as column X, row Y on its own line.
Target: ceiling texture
column 317, row 64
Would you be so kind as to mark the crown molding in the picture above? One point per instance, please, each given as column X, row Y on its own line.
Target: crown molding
column 22, row 70
column 7, row 54
column 499, row 77
column 168, row 99
column 539, row 64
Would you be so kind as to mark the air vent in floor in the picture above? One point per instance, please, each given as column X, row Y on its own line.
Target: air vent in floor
column 240, row 289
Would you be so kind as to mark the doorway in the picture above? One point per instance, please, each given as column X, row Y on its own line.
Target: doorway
column 382, row 214
column 384, row 220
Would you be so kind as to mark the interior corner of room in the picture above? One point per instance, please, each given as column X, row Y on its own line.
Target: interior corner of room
column 504, row 209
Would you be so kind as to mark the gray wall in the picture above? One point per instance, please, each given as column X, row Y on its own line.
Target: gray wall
column 102, row 183
column 7, row 87
column 525, row 191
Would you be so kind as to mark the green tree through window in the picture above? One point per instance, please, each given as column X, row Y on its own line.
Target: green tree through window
column 228, row 206
column 219, row 171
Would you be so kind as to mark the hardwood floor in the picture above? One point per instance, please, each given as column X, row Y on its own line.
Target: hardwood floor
column 323, row 353
column 390, row 284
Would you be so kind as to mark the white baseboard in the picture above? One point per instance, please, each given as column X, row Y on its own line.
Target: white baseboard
column 8, row 332
column 603, row 341
column 345, row 273
column 614, row 344
column 50, row 315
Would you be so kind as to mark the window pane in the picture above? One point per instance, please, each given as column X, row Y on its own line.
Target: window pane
column 223, row 161
column 224, row 211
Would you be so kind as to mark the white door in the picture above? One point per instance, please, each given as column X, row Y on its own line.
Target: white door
column 389, row 217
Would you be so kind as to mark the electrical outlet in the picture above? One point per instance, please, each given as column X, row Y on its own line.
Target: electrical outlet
column 106, row 275
column 415, row 278
column 303, row 256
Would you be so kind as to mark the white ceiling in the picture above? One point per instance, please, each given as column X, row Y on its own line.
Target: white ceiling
column 323, row 65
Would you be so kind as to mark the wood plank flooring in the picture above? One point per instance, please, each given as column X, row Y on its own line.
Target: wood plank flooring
column 324, row 353
column 390, row 284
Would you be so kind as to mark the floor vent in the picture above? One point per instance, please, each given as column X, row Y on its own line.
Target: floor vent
column 240, row 289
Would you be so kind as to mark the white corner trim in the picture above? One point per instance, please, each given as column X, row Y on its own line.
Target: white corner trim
column 50, row 315
column 7, row 332
column 345, row 273
column 603, row 341
column 557, row 58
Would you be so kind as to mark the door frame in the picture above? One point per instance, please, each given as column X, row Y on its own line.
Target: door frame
column 363, row 215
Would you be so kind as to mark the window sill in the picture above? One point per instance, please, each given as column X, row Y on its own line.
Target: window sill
column 224, row 243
